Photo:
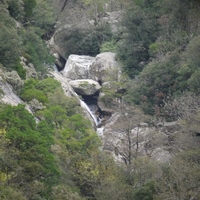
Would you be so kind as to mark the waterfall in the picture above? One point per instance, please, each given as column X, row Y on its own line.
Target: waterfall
column 68, row 90
column 94, row 117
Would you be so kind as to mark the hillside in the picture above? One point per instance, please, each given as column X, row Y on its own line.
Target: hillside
column 136, row 63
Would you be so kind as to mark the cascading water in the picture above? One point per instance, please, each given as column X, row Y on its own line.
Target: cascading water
column 69, row 91
column 94, row 117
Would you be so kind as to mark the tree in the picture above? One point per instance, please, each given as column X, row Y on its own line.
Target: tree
column 61, row 192
column 43, row 17
column 10, row 42
column 28, row 8
column 48, row 85
column 179, row 180
column 154, row 84
column 16, row 9
column 140, row 31
column 70, row 104
column 36, row 51
column 129, row 133
column 32, row 142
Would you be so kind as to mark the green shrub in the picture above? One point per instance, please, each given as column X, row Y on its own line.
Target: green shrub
column 48, row 85
column 21, row 71
column 10, row 42
column 30, row 94
column 28, row 7
column 109, row 46
column 37, row 51
column 16, row 9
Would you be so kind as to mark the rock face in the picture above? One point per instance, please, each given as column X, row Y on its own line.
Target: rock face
column 85, row 86
column 103, row 65
column 113, row 18
column 97, row 68
column 7, row 94
column 29, row 67
column 77, row 67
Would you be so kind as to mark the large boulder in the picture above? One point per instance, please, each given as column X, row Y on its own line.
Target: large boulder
column 85, row 86
column 77, row 67
column 104, row 67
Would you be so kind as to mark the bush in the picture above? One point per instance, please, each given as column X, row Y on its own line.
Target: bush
column 31, row 94
column 21, row 71
column 28, row 7
column 36, row 50
column 16, row 9
column 13, row 79
column 48, row 85
column 10, row 42
column 109, row 46
column 155, row 83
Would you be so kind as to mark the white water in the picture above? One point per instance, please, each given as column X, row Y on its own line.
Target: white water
column 94, row 117
column 100, row 131
column 69, row 90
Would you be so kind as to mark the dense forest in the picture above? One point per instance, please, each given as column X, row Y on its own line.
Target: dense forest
column 53, row 152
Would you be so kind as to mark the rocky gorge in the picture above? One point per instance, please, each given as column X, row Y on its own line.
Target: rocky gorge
column 91, row 79
column 86, row 77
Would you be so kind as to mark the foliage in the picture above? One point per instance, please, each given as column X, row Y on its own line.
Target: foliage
column 79, row 137
column 36, row 51
column 179, row 181
column 43, row 17
column 48, row 85
column 10, row 42
column 30, row 94
column 35, row 89
column 84, row 42
column 11, row 194
column 109, row 46
column 140, row 32
column 145, row 192
column 33, row 143
column 64, row 192
column 16, row 9
column 21, row 71
column 13, row 79
column 155, row 83
column 154, row 31
column 58, row 157
column 69, row 104
column 28, row 8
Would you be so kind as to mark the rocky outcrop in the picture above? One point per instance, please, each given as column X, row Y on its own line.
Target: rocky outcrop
column 113, row 18
column 151, row 142
column 104, row 67
column 85, row 86
column 77, row 67
column 7, row 94
column 13, row 79
column 29, row 67
column 100, row 68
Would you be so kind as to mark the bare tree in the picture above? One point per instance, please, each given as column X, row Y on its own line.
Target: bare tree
column 129, row 134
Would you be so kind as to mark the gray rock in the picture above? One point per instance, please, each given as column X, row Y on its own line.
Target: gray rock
column 77, row 67
column 29, row 67
column 85, row 86
column 104, row 67
column 13, row 79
